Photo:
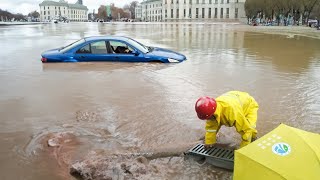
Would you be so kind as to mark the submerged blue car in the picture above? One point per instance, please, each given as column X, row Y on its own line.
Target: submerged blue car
column 110, row 48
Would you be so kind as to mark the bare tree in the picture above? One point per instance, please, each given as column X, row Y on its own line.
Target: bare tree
column 116, row 12
column 102, row 12
column 308, row 6
column 315, row 14
column 5, row 15
column 251, row 8
column 132, row 8
column 34, row 14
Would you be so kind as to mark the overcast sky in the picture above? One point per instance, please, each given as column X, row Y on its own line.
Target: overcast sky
column 27, row 6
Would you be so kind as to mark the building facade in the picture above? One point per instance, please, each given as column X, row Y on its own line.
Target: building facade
column 172, row 10
column 50, row 10
column 138, row 12
column 151, row 10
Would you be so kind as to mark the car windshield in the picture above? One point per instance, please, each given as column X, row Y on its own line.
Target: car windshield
column 72, row 45
column 138, row 45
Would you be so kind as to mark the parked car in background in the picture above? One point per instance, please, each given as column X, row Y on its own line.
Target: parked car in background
column 313, row 23
column 111, row 48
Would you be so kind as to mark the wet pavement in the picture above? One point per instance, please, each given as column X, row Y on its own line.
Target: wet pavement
column 132, row 107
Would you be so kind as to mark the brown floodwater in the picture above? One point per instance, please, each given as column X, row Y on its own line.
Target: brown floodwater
column 124, row 107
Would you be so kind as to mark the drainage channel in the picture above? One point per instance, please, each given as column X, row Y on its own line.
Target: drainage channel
column 220, row 157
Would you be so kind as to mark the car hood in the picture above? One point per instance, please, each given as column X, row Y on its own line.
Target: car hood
column 51, row 52
column 167, row 53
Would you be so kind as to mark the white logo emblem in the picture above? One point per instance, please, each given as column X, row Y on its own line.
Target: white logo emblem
column 281, row 149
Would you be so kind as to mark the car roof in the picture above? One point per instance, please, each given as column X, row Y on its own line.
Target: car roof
column 93, row 38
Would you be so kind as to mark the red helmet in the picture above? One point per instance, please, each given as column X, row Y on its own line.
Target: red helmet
column 205, row 107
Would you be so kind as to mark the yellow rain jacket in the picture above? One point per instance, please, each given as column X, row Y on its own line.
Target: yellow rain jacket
column 236, row 109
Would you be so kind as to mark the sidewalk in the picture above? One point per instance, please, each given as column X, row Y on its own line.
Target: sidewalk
column 283, row 30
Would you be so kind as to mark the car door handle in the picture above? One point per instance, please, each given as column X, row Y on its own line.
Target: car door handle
column 116, row 57
column 82, row 57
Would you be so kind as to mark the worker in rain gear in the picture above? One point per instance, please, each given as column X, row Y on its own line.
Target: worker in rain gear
column 233, row 108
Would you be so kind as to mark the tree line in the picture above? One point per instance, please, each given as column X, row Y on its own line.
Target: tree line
column 128, row 11
column 299, row 10
column 7, row 16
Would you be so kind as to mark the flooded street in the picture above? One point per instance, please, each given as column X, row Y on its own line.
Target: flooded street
column 134, row 107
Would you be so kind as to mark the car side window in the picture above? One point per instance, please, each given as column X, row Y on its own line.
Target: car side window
column 120, row 47
column 84, row 50
column 99, row 47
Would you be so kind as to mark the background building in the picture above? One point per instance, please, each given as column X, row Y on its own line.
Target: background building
column 138, row 12
column 173, row 10
column 50, row 10
column 151, row 10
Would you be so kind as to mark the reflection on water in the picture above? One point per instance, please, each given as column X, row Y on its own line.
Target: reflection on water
column 123, row 106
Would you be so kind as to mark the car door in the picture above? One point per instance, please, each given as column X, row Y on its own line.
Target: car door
column 123, row 52
column 94, row 51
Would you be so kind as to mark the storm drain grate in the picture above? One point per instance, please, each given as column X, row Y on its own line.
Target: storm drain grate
column 216, row 156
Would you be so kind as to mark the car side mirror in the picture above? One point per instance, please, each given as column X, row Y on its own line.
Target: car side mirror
column 135, row 52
